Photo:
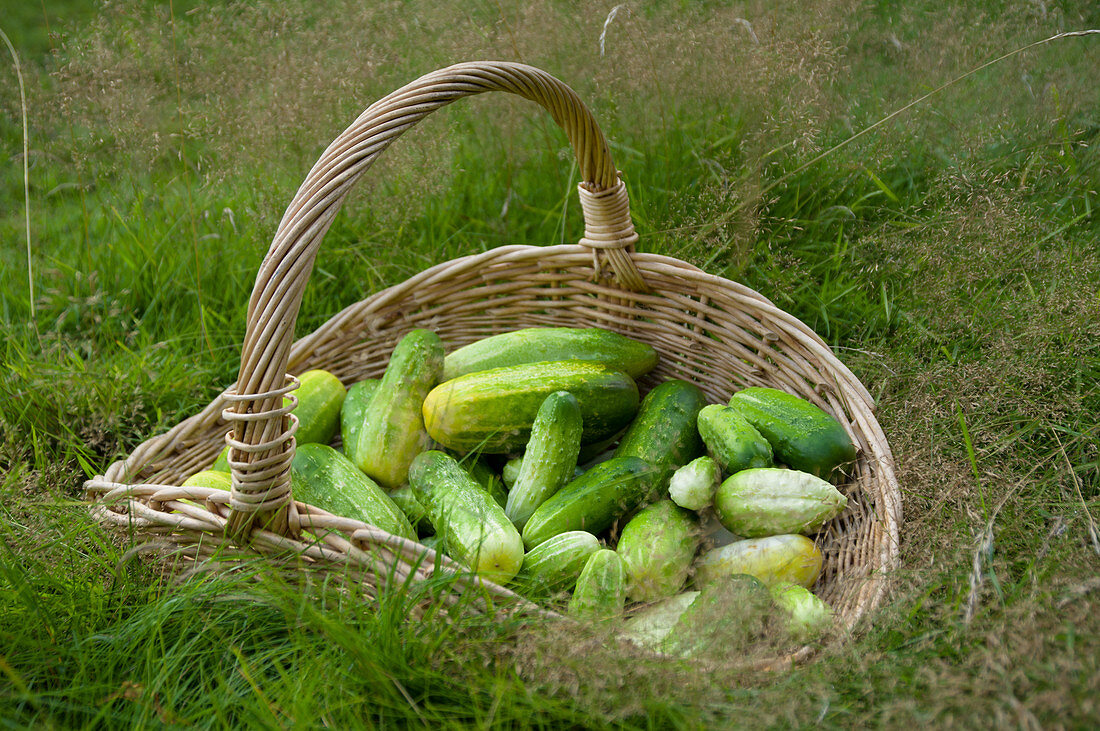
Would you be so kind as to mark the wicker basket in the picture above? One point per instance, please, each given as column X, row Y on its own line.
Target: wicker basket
column 717, row 333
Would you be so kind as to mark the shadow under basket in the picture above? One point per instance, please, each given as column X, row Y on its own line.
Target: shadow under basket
column 716, row 333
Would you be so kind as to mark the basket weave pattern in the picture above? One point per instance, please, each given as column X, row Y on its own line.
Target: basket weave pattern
column 719, row 334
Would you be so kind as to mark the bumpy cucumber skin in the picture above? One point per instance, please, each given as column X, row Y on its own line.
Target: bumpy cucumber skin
column 353, row 413
column 771, row 501
column 554, row 565
column 793, row 558
column 591, row 502
column 731, row 440
column 475, row 530
column 600, row 592
column 657, row 547
column 550, row 457
column 493, row 411
column 802, row 436
column 320, row 396
column 327, row 479
column 216, row 479
column 665, row 432
column 539, row 344
column 393, row 432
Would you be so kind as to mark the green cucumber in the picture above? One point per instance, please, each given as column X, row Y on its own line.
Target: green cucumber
column 475, row 530
column 802, row 436
column 327, row 479
column 554, row 565
column 770, row 501
column 216, row 479
column 727, row 616
column 493, row 411
column 807, row 616
column 353, row 413
column 489, row 480
column 320, row 396
column 657, row 547
column 510, row 471
column 539, row 344
column 418, row 517
column 600, row 592
column 731, row 440
column 221, row 462
column 664, row 433
column 651, row 625
column 792, row 558
column 550, row 458
column 393, row 428
column 591, row 502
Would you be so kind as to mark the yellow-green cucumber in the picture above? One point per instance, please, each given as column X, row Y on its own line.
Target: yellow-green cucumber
column 353, row 415
column 665, row 432
column 539, row 344
column 591, row 502
column 418, row 517
column 554, row 565
column 657, row 546
column 493, row 411
column 793, row 558
column 731, row 440
column 474, row 529
column 393, row 428
column 807, row 616
column 600, row 592
column 320, row 396
column 771, row 501
column 802, row 435
column 327, row 479
column 216, row 479
column 550, row 458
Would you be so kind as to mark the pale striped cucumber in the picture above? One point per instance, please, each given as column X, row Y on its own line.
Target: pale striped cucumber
column 327, row 479
column 393, row 428
column 652, row 623
column 475, row 530
column 534, row 345
column 554, row 565
column 600, row 592
column 732, row 441
column 802, row 436
column 592, row 502
column 693, row 485
column 550, row 457
column 657, row 547
column 665, row 432
column 353, row 413
column 769, row 501
column 320, row 396
column 493, row 411
column 806, row 614
column 774, row 559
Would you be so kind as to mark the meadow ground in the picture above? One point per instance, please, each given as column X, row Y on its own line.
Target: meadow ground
column 950, row 257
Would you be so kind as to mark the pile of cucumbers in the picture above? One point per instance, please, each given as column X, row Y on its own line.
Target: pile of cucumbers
column 531, row 458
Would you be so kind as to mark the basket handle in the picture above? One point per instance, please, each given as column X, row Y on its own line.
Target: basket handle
column 261, row 440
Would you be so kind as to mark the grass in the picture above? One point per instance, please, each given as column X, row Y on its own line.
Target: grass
column 949, row 258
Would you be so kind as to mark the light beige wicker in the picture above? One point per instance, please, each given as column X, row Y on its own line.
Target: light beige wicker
column 718, row 333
